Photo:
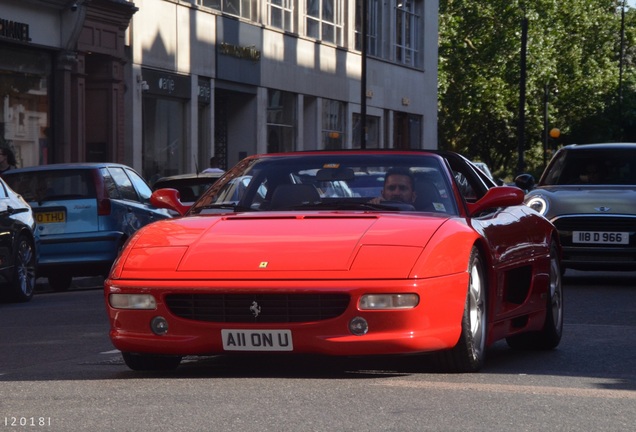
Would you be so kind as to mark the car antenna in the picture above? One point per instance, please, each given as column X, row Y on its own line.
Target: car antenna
column 196, row 165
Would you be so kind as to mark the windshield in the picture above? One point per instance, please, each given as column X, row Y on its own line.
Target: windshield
column 333, row 181
column 592, row 167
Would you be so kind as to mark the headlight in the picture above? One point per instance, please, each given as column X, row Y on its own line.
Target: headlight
column 132, row 301
column 539, row 204
column 388, row 301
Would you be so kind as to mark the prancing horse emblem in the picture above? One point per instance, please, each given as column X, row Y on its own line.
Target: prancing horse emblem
column 255, row 309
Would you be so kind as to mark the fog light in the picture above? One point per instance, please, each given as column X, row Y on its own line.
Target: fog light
column 159, row 325
column 388, row 301
column 358, row 326
column 132, row 301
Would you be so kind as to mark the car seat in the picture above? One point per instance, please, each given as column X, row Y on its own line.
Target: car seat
column 291, row 195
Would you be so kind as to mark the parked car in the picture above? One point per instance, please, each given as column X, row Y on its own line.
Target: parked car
column 18, row 247
column 589, row 193
column 190, row 186
column 289, row 269
column 84, row 212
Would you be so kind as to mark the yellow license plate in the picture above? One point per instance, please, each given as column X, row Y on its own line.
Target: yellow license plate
column 50, row 217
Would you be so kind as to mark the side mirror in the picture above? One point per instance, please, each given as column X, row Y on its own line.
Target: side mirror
column 500, row 196
column 168, row 199
column 525, row 182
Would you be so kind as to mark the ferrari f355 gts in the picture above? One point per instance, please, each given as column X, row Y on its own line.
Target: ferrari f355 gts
column 294, row 254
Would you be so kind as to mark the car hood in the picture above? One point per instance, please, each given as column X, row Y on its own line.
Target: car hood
column 281, row 244
column 588, row 200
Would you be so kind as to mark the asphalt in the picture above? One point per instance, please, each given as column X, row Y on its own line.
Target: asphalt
column 80, row 283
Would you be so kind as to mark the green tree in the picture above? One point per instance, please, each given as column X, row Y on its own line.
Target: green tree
column 573, row 51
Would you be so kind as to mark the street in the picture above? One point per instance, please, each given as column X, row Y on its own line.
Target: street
column 58, row 371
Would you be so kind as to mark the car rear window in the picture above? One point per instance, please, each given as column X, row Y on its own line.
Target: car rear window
column 53, row 185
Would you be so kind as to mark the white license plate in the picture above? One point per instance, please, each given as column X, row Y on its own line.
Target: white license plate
column 257, row 340
column 600, row 237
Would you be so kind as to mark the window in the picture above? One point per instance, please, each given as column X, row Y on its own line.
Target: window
column 373, row 26
column 407, row 31
column 333, row 124
column 324, row 20
column 164, row 152
column 243, row 8
column 124, row 185
column 25, row 118
column 372, row 133
column 281, row 121
column 281, row 13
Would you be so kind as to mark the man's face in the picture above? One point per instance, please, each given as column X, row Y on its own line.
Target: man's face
column 398, row 187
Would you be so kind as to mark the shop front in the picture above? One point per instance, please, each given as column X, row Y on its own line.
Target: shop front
column 62, row 80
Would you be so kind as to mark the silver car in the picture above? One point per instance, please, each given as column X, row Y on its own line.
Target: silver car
column 589, row 193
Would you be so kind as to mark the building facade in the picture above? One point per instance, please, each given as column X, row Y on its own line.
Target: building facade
column 163, row 85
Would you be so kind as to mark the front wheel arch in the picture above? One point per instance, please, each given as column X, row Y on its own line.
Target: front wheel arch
column 469, row 353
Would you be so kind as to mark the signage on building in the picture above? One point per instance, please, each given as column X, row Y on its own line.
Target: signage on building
column 238, row 52
column 14, row 30
column 166, row 83
column 247, row 53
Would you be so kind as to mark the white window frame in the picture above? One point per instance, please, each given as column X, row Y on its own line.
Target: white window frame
column 407, row 30
column 286, row 10
column 329, row 29
column 374, row 36
column 247, row 9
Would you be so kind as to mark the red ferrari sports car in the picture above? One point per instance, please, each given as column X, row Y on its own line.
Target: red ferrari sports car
column 295, row 253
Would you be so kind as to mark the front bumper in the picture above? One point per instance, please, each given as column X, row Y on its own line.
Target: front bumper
column 434, row 324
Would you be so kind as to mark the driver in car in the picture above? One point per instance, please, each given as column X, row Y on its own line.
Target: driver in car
column 398, row 186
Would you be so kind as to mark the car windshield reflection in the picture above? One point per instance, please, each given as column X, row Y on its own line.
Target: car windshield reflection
column 331, row 182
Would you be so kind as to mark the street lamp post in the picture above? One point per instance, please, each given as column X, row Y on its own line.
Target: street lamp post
column 363, row 75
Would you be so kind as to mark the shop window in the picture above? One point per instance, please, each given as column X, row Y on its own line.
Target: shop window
column 372, row 133
column 164, row 149
column 281, row 121
column 333, row 124
column 25, row 105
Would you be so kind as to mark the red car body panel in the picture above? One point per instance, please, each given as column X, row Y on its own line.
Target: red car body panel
column 342, row 252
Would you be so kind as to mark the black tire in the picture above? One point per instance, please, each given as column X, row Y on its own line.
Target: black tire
column 60, row 282
column 470, row 352
column 150, row 362
column 549, row 336
column 23, row 282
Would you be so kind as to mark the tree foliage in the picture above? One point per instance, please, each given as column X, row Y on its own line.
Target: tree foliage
column 574, row 52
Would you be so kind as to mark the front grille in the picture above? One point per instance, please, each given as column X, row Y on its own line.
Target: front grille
column 595, row 223
column 268, row 308
column 567, row 224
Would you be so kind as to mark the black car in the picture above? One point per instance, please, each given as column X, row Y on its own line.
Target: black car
column 190, row 186
column 18, row 247
column 589, row 193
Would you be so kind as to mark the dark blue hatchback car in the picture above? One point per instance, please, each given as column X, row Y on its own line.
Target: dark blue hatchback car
column 84, row 214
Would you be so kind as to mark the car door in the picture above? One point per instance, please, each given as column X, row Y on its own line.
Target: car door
column 502, row 228
column 134, row 199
